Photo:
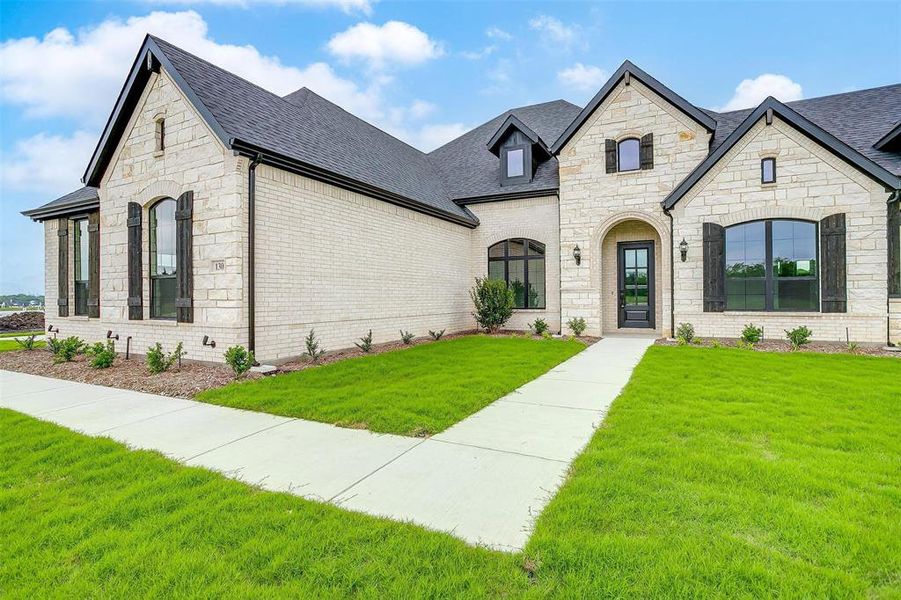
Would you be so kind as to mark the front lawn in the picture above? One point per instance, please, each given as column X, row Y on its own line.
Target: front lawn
column 718, row 473
column 416, row 391
column 8, row 345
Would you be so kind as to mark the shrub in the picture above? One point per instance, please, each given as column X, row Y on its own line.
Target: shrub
column 751, row 334
column 577, row 326
column 546, row 334
column 539, row 326
column 853, row 347
column 313, row 350
column 239, row 359
column 715, row 344
column 54, row 344
column 685, row 334
column 27, row 343
column 158, row 361
column 365, row 342
column 406, row 337
column 102, row 355
column 743, row 345
column 493, row 302
column 798, row 336
column 436, row 335
column 68, row 349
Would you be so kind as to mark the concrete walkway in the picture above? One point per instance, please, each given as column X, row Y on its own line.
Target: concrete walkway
column 484, row 480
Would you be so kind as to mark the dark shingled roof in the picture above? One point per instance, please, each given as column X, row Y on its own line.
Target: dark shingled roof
column 470, row 169
column 81, row 198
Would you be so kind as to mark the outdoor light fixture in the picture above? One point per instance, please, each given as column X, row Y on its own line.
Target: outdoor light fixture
column 577, row 254
column 52, row 329
column 208, row 342
column 110, row 336
column 683, row 248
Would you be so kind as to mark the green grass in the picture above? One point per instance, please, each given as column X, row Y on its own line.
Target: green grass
column 7, row 345
column 419, row 390
column 717, row 474
column 20, row 333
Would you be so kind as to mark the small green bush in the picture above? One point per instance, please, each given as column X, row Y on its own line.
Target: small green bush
column 365, row 343
column 102, row 355
column 158, row 361
column 546, row 334
column 743, row 345
column 715, row 344
column 436, row 335
column 685, row 334
column 539, row 326
column 313, row 350
column 751, row 334
column 853, row 347
column 239, row 359
column 68, row 349
column 28, row 343
column 577, row 325
column 798, row 336
column 53, row 344
column 493, row 302
column 406, row 337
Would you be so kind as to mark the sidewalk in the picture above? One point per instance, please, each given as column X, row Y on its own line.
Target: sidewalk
column 484, row 479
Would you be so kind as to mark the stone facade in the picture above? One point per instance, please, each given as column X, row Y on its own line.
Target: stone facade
column 593, row 202
column 812, row 184
column 533, row 218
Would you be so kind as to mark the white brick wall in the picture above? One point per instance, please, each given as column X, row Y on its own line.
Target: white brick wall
column 533, row 218
column 812, row 184
column 895, row 323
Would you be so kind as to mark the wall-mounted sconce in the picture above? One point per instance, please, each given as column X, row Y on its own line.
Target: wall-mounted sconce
column 52, row 329
column 110, row 336
column 208, row 342
column 683, row 249
column 577, row 255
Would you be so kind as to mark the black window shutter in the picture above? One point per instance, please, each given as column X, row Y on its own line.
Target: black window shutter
column 62, row 268
column 184, row 244
column 135, row 282
column 646, row 152
column 833, row 272
column 94, row 265
column 714, row 268
column 610, row 155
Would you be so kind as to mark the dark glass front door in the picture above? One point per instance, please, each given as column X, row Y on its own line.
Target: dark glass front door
column 636, row 284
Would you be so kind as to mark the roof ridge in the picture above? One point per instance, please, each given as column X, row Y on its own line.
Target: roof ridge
column 793, row 102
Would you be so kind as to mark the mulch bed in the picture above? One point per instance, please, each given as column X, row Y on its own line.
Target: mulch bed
column 780, row 346
column 22, row 321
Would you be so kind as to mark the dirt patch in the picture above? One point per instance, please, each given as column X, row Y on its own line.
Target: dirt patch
column 184, row 382
column 780, row 346
column 22, row 321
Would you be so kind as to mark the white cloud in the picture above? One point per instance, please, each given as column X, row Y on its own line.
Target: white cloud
column 751, row 92
column 51, row 164
column 553, row 31
column 421, row 109
column 479, row 54
column 582, row 77
column 379, row 45
column 431, row 136
column 497, row 33
column 347, row 6
column 79, row 75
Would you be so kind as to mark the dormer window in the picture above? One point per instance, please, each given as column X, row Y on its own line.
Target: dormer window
column 515, row 161
column 519, row 151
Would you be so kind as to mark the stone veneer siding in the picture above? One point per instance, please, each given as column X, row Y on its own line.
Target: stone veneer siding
column 534, row 218
column 628, row 231
column 812, row 183
column 343, row 263
column 593, row 202
column 195, row 160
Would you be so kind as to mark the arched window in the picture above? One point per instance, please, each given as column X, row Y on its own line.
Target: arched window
column 627, row 155
column 162, row 260
column 772, row 265
column 520, row 263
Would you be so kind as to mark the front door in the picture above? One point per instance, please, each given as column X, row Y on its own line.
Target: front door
column 635, row 264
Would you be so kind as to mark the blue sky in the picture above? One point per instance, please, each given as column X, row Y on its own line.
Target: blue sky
column 425, row 72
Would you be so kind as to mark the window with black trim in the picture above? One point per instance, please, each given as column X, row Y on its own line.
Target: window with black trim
column 520, row 263
column 516, row 164
column 627, row 155
column 82, row 276
column 772, row 266
column 894, row 248
column 162, row 260
column 768, row 170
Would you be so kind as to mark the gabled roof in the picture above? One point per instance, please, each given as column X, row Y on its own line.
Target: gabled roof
column 799, row 122
column 891, row 140
column 470, row 171
column 629, row 70
column 85, row 198
column 513, row 122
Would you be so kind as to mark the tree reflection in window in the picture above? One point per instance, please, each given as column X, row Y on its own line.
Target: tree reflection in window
column 520, row 263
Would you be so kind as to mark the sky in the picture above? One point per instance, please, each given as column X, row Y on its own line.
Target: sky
column 423, row 71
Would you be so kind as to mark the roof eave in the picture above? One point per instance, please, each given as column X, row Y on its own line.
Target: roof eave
column 817, row 133
column 889, row 138
column 514, row 121
column 520, row 195
column 48, row 212
column 708, row 122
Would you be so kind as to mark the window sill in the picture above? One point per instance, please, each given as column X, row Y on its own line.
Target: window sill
column 158, row 153
column 165, row 321
column 529, row 309
column 78, row 318
column 778, row 313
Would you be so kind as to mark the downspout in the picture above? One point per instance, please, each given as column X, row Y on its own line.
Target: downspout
column 251, row 251
column 893, row 197
column 672, row 274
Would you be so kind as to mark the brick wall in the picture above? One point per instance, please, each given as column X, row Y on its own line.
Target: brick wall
column 533, row 218
column 812, row 184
